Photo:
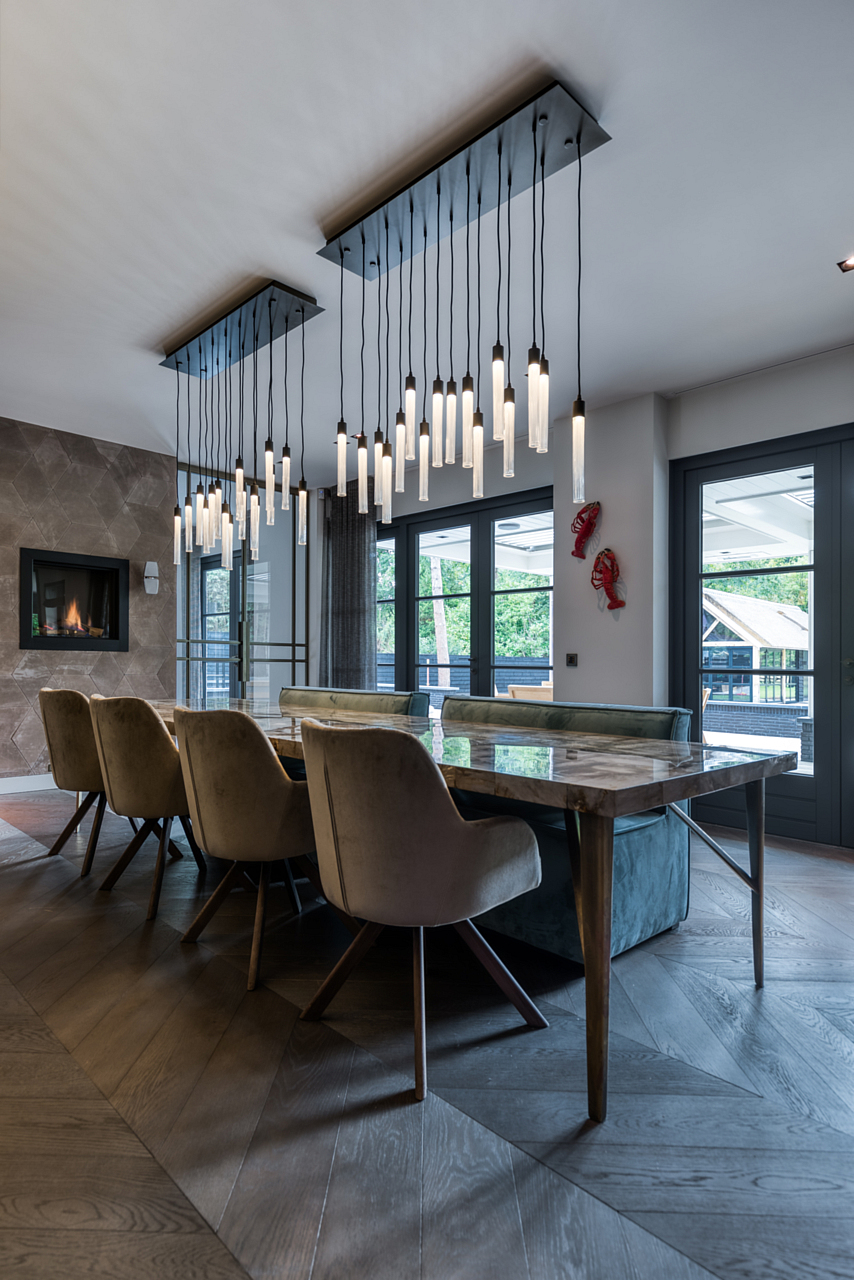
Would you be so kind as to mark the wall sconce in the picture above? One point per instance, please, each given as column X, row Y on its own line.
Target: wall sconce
column 151, row 578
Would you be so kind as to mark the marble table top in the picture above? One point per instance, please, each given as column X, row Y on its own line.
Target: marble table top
column 592, row 773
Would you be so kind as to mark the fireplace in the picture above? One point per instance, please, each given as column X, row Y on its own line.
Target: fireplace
column 73, row 602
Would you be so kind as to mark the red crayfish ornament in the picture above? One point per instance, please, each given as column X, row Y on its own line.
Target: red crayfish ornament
column 583, row 527
column 605, row 573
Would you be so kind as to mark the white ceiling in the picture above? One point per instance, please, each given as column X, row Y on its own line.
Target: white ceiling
column 158, row 158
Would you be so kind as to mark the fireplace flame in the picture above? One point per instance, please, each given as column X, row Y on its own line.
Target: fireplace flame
column 73, row 621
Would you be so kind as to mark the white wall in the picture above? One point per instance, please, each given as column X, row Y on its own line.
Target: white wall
column 450, row 486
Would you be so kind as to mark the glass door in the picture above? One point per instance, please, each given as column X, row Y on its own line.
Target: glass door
column 522, row 660
column 444, row 611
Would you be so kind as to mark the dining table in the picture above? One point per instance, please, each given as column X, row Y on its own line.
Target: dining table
column 595, row 779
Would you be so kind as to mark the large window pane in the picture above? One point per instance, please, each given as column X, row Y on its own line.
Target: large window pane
column 761, row 621
column 523, row 558
column 444, row 631
column 385, row 613
column 444, row 562
column 524, row 551
column 780, row 721
column 759, row 521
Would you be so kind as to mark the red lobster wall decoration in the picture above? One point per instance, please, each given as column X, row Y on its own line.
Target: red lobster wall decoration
column 605, row 573
column 583, row 526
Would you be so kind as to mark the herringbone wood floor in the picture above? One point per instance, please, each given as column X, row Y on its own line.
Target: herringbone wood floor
column 158, row 1120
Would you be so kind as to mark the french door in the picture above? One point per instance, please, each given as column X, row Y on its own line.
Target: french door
column 465, row 599
column 762, row 639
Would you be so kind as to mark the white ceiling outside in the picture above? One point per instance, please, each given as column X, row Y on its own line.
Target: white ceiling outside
column 158, row 159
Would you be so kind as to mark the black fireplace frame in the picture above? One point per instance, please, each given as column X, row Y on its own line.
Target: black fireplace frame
column 66, row 643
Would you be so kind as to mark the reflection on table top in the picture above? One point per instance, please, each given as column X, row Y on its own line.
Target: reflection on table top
column 595, row 773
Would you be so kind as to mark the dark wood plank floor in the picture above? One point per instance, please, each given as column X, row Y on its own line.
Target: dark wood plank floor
column 279, row 1148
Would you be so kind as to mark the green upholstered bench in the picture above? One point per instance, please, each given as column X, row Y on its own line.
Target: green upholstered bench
column 397, row 703
column 651, row 849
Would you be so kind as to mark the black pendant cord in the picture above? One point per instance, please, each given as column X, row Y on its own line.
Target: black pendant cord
column 341, row 338
column 189, row 443
column 509, row 185
column 201, row 386
column 362, row 353
column 228, row 415
column 241, row 347
column 177, row 427
column 468, row 270
column 451, row 312
column 213, row 430
column 254, row 398
column 270, row 385
column 218, row 422
column 438, row 267
column 498, row 240
column 424, row 387
column 400, row 327
column 387, row 335
column 534, row 239
column 302, row 405
column 411, row 260
column 285, row 387
column 379, row 342
column 578, row 316
column 542, row 247
column 206, row 425
column 478, row 300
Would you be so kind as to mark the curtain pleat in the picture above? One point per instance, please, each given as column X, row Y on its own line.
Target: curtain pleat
column 348, row 639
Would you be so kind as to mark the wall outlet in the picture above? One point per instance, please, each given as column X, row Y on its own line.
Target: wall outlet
column 572, row 659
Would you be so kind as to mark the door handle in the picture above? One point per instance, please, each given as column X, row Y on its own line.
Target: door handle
column 848, row 662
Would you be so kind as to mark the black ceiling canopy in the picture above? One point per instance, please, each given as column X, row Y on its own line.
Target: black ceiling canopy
column 559, row 120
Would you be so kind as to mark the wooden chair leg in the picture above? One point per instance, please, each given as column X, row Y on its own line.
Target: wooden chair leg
column 79, row 815
column 258, row 933
column 309, row 870
column 174, row 852
column 214, row 902
column 191, row 840
column 159, row 867
column 420, row 1014
column 367, row 936
column 93, row 835
column 134, row 827
column 130, row 852
column 293, row 892
column 501, row 974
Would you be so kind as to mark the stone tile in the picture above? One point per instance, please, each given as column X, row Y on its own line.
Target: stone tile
column 13, row 444
column 11, row 718
column 32, row 484
column 151, row 490
column 36, row 664
column 81, row 537
column 33, row 435
column 81, row 508
column 124, row 470
column 106, row 674
column 108, row 497
column 125, row 530
column 149, row 520
column 52, row 459
column 70, row 678
column 12, row 763
column 167, row 676
column 108, row 449
column 51, row 520
column 9, row 595
column 11, row 502
column 9, row 561
column 81, row 449
column 12, row 698
column 148, row 661
column 29, row 737
column 148, row 686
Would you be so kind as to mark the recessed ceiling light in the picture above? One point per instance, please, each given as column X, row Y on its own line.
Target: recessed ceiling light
column 509, row 526
column 847, row 264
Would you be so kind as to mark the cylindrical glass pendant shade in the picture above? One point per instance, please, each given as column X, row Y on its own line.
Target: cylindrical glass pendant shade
column 213, row 531
column 378, row 468
column 578, row 451
column 451, row 424
column 218, row 509
column 498, row 392
column 424, row 462
column 286, row 478
column 386, row 479
column 341, row 443
column 302, row 514
column 399, row 451
column 533, row 397
column 200, row 522
column 477, row 454
column 206, row 527
column 176, row 536
column 543, row 416
column 226, row 536
column 254, row 522
column 188, row 524
column 509, row 431
column 270, row 481
column 438, row 415
column 409, row 405
column 468, row 412
column 362, row 472
column 239, row 491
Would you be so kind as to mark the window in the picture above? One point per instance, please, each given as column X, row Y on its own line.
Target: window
column 385, row 613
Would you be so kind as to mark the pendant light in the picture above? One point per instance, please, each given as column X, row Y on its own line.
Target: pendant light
column 239, row 477
column 386, row 482
column 543, row 387
column 451, row 402
column 509, row 393
column 477, row 416
column 227, row 522
column 424, row 429
column 498, row 350
column 286, row 450
column 269, row 455
column 341, row 437
column 468, row 381
column 578, row 415
column 385, row 478
column 227, row 537
column 188, row 499
column 400, row 419
column 218, row 461
column 176, row 520
column 254, row 499
column 378, row 434
column 362, row 439
column 438, row 407
column 534, row 350
column 302, row 493
column 213, row 528
column 409, row 397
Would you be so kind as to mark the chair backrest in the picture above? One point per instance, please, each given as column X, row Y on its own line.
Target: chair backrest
column 139, row 760
column 242, row 803
column 669, row 723
column 397, row 703
column 391, row 844
column 70, row 740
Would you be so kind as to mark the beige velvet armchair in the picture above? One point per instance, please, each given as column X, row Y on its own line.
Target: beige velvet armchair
column 142, row 778
column 244, row 808
column 73, row 761
column 393, row 850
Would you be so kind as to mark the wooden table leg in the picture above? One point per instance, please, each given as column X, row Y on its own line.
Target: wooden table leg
column 755, row 800
column 597, row 868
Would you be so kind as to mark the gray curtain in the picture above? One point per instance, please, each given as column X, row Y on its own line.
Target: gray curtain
column 348, row 629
